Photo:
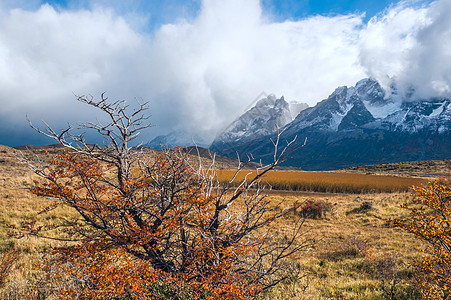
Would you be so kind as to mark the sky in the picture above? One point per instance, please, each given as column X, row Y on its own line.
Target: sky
column 200, row 63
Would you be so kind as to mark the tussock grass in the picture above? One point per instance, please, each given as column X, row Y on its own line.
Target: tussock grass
column 328, row 182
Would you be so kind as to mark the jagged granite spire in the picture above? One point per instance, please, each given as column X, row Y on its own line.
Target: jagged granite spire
column 263, row 119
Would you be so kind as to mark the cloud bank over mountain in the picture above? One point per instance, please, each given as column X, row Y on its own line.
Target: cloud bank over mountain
column 411, row 45
column 199, row 73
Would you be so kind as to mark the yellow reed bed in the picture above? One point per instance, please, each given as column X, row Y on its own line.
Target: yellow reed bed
column 327, row 182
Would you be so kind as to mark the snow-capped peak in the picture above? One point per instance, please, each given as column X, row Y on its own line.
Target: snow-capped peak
column 264, row 118
column 355, row 125
column 367, row 105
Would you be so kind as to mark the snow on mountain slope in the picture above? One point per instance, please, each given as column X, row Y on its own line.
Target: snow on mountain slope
column 264, row 118
column 355, row 125
column 177, row 138
column 366, row 105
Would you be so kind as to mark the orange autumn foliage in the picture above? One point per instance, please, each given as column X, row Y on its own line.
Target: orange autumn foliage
column 169, row 241
column 91, row 272
column 430, row 221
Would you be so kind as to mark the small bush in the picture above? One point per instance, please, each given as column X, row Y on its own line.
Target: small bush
column 315, row 209
column 429, row 221
column 366, row 205
column 363, row 208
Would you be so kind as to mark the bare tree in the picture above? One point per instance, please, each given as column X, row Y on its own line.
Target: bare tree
column 172, row 217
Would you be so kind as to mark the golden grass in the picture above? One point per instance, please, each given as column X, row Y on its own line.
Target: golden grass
column 18, row 205
column 332, row 269
column 328, row 182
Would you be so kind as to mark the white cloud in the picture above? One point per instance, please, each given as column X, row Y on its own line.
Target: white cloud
column 46, row 55
column 217, row 64
column 199, row 74
column 411, row 45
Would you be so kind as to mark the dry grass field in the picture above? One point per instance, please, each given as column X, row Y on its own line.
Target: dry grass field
column 354, row 254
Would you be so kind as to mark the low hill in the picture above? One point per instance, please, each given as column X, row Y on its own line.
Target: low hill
column 37, row 147
column 424, row 168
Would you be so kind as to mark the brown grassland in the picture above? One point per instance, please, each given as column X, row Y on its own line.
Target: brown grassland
column 355, row 254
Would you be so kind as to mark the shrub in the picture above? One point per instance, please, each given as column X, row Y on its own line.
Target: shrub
column 315, row 209
column 363, row 208
column 156, row 228
column 354, row 246
column 430, row 221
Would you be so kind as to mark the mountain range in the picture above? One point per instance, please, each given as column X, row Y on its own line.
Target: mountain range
column 356, row 125
column 177, row 138
column 260, row 120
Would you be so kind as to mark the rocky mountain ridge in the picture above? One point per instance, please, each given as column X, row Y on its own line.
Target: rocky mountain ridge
column 262, row 119
column 354, row 126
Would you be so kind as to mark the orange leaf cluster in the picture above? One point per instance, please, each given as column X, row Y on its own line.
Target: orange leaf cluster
column 430, row 220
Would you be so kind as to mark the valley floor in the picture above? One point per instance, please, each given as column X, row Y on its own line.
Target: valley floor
column 355, row 253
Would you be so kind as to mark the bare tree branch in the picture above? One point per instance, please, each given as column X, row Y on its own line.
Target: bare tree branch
column 167, row 210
